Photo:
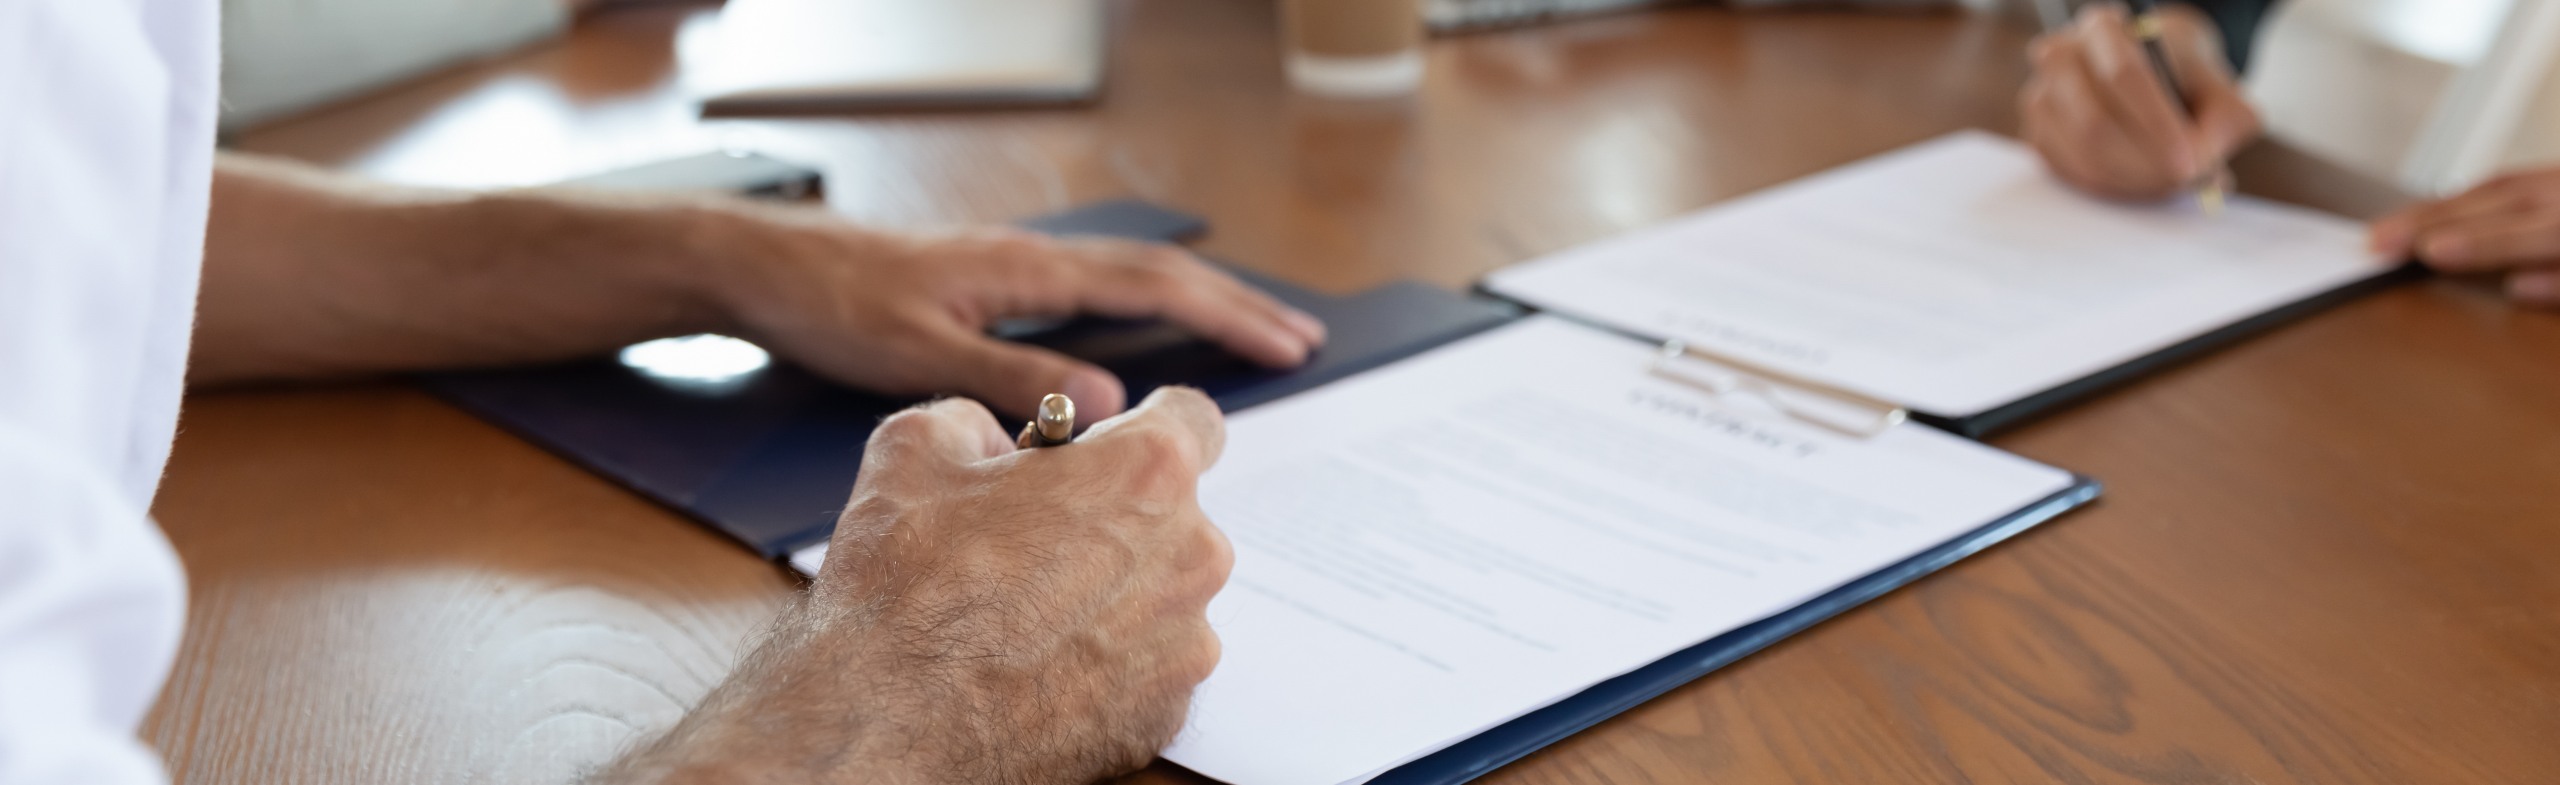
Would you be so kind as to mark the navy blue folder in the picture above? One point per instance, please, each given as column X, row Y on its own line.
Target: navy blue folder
column 770, row 462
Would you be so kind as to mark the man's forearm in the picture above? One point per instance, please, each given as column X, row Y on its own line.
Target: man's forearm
column 309, row 275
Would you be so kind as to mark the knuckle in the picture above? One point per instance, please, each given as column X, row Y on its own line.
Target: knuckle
column 1157, row 282
column 905, row 429
column 1222, row 554
column 1163, row 258
column 1187, row 397
column 1020, row 249
column 1164, row 458
column 1211, row 649
column 2061, row 53
column 1202, row 657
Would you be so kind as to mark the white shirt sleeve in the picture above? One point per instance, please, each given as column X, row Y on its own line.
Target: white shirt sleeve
column 90, row 599
column 106, row 130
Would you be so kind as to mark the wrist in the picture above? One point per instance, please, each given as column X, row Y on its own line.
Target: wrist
column 739, row 259
column 801, row 708
column 690, row 250
column 632, row 256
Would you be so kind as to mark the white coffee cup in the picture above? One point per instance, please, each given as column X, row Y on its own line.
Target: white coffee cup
column 1353, row 48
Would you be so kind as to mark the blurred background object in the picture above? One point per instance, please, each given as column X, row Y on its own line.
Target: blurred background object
column 2434, row 94
column 2431, row 94
column 783, row 56
column 1449, row 16
column 1353, row 48
column 1460, row 15
column 282, row 56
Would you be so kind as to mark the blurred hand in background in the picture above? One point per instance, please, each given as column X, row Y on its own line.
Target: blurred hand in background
column 2098, row 113
column 2507, row 227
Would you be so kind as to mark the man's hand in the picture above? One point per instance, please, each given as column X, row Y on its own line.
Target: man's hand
column 2099, row 114
column 908, row 314
column 312, row 275
column 985, row 615
column 2508, row 226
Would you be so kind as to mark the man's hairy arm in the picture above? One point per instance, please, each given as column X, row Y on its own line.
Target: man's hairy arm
column 313, row 275
column 309, row 275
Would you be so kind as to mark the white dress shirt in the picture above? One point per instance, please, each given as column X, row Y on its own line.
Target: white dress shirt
column 106, row 142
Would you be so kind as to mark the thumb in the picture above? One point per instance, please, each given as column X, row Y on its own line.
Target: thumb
column 1012, row 378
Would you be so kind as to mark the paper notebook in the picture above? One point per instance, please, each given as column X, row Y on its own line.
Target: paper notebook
column 1953, row 277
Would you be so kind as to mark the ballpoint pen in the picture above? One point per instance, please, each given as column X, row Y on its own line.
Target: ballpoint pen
column 2149, row 29
column 1053, row 426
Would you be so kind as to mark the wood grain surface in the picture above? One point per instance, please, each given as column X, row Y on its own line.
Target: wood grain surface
column 2326, row 555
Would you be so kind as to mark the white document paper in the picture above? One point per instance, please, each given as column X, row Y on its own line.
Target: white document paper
column 1953, row 276
column 1428, row 550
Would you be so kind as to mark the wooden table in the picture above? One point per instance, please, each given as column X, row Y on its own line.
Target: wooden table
column 2326, row 556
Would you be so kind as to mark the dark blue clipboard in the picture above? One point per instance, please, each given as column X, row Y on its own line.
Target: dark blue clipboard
column 769, row 463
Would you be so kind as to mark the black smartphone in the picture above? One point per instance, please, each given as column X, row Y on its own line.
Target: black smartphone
column 742, row 173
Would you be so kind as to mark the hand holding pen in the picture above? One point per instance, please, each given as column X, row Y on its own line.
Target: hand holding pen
column 2123, row 119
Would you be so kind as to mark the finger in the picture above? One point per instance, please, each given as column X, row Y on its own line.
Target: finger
column 1138, row 280
column 1014, row 377
column 2059, row 118
column 2488, row 200
column 2111, row 157
column 2398, row 233
column 2392, row 235
column 955, row 430
column 2130, row 87
column 1180, row 418
column 2104, row 158
column 2224, row 120
column 2080, row 141
column 1306, row 325
column 2492, row 242
column 1241, row 296
column 2537, row 287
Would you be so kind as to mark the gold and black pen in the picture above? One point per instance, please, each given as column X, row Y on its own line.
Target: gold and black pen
column 1053, row 426
column 2150, row 30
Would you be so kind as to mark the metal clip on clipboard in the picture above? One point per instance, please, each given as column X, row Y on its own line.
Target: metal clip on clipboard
column 1804, row 400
